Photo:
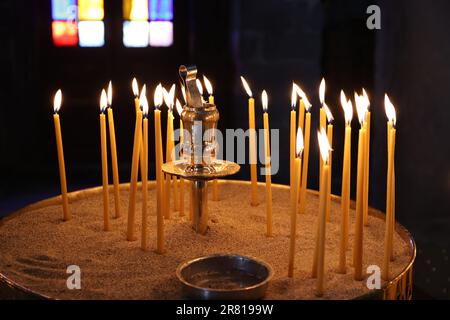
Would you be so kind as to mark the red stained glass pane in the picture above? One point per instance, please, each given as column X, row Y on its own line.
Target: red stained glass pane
column 65, row 33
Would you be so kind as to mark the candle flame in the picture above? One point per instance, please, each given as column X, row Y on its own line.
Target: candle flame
column 265, row 100
column 172, row 94
column 135, row 87
column 169, row 97
column 208, row 86
column 294, row 96
column 158, row 97
column 246, row 87
column 390, row 110
column 298, row 90
column 144, row 104
column 366, row 98
column 57, row 101
column 305, row 99
column 348, row 112
column 110, row 94
column 347, row 107
column 324, row 145
column 361, row 108
column 143, row 93
column 322, row 91
column 199, row 86
column 103, row 101
column 300, row 144
column 183, row 92
column 343, row 100
column 179, row 107
column 330, row 117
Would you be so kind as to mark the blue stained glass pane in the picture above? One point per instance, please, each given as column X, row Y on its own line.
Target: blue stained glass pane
column 161, row 10
column 64, row 10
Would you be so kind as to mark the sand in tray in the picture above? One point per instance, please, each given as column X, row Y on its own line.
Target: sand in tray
column 36, row 247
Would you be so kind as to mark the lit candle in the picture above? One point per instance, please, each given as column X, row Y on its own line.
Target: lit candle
column 359, row 219
column 322, row 118
column 104, row 153
column 267, row 164
column 330, row 159
column 209, row 89
column 180, row 111
column 293, row 130
column 112, row 140
column 137, row 106
column 59, row 146
column 346, row 178
column 144, row 105
column 301, row 110
column 297, row 168
column 390, row 201
column 169, row 101
column 252, row 141
column 321, row 235
column 366, row 100
column 304, row 173
column 134, row 171
column 158, row 100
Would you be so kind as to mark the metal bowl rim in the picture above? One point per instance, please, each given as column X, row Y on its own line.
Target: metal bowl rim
column 186, row 264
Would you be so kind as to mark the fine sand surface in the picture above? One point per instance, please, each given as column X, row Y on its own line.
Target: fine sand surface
column 36, row 247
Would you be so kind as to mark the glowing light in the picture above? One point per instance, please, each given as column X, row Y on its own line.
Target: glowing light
column 144, row 104
column 366, row 98
column 265, row 101
column 161, row 33
column 57, row 101
column 349, row 112
column 64, row 10
column 208, row 86
column 299, row 91
column 322, row 91
column 179, row 107
column 361, row 108
column 143, row 93
column 90, row 10
column 169, row 97
column 199, row 86
column 330, row 117
column 135, row 87
column 110, row 94
column 103, row 101
column 136, row 10
column 64, row 33
column 158, row 97
column 324, row 145
column 161, row 10
column 300, row 144
column 347, row 107
column 136, row 34
column 390, row 110
column 294, row 96
column 91, row 33
column 246, row 87
column 305, row 99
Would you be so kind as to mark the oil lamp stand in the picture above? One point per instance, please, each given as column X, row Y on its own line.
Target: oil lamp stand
column 199, row 148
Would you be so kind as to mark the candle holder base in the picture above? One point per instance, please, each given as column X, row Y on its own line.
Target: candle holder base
column 199, row 175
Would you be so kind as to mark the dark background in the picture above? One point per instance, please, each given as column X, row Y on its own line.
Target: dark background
column 271, row 42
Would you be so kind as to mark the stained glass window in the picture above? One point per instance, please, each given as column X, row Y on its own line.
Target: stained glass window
column 147, row 23
column 78, row 23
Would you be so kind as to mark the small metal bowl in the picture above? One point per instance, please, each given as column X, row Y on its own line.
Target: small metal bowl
column 224, row 277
